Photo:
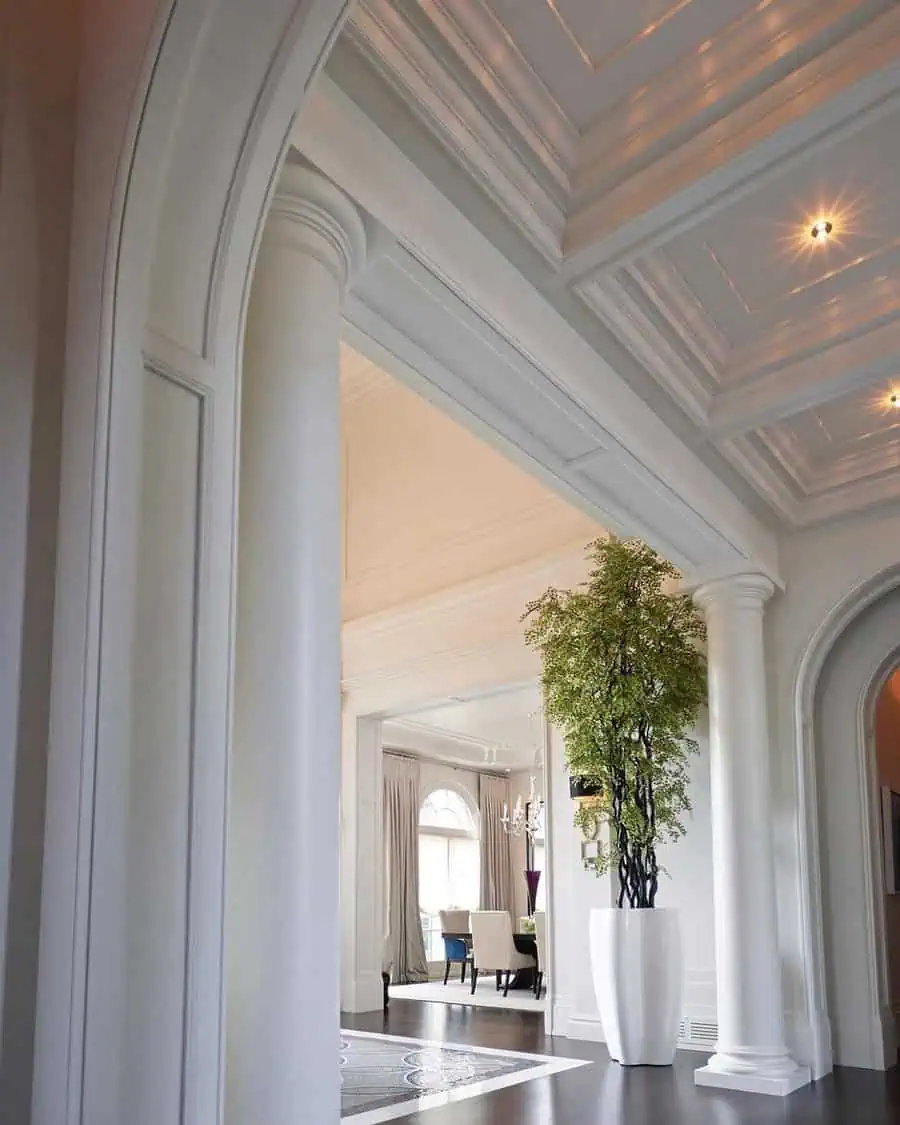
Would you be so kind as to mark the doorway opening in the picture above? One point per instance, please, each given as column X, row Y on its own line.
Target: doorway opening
column 445, row 541
column 887, row 760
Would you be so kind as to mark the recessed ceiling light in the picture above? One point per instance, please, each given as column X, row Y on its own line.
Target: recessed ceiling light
column 821, row 229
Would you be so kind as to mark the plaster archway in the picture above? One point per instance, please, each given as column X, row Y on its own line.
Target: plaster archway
column 862, row 628
column 184, row 116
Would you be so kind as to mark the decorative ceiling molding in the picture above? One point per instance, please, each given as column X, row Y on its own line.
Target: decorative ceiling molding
column 596, row 63
column 757, row 468
column 650, row 341
column 767, row 95
column 863, row 361
column 853, row 313
column 461, row 120
column 724, row 72
column 759, row 139
column 473, row 31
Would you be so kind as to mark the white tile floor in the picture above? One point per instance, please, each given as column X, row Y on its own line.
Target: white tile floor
column 454, row 992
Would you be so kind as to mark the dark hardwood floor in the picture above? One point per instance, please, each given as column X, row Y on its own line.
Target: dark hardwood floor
column 606, row 1094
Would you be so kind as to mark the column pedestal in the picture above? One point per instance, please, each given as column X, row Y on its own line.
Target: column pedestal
column 751, row 1054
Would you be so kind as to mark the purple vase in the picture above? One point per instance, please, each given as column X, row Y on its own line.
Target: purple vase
column 532, row 878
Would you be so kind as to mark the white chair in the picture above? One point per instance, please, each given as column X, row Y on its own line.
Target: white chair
column 493, row 947
column 540, row 940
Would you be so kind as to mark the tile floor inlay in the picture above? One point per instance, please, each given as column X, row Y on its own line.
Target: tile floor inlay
column 384, row 1077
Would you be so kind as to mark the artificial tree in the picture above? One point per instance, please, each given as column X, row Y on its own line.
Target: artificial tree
column 624, row 678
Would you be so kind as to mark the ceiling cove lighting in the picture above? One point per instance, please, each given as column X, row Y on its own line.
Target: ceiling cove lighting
column 821, row 229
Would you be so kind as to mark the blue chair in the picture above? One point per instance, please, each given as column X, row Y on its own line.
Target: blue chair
column 456, row 949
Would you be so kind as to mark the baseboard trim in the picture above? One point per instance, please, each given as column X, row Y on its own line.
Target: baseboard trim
column 588, row 1028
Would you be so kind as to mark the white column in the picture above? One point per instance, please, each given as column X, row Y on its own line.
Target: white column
column 283, row 934
column 751, row 1053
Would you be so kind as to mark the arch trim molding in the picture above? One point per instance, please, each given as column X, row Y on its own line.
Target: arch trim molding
column 821, row 643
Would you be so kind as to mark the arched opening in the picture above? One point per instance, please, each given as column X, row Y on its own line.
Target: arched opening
column 886, row 733
column 849, row 875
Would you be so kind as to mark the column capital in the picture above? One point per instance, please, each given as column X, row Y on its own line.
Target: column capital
column 311, row 213
column 738, row 591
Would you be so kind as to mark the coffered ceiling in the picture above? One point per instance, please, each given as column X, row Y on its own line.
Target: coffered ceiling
column 667, row 159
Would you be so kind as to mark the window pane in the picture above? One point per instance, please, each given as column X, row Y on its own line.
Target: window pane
column 446, row 809
column 465, row 875
column 434, row 875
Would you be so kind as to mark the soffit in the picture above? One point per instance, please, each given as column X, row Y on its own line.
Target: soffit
column 667, row 160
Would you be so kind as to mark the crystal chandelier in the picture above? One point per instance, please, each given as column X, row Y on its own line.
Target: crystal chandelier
column 526, row 817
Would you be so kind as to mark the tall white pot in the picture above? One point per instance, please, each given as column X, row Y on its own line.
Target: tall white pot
column 638, row 979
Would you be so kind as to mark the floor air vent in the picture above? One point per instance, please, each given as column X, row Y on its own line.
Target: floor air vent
column 700, row 1034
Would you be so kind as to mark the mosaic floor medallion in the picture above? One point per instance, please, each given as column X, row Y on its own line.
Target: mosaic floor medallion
column 385, row 1077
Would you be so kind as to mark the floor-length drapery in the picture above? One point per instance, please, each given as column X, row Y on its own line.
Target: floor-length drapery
column 406, row 946
column 496, row 860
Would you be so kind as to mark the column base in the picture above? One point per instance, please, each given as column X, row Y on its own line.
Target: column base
column 778, row 1083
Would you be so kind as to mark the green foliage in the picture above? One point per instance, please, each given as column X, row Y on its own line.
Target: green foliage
column 624, row 678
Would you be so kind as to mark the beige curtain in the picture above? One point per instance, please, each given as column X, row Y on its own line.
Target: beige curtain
column 496, row 857
column 405, row 945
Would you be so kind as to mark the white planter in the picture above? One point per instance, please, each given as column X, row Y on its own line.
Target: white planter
column 638, row 979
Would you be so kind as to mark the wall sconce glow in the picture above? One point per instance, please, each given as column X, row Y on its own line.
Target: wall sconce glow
column 821, row 229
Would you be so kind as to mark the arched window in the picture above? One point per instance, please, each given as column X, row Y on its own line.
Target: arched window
column 449, row 860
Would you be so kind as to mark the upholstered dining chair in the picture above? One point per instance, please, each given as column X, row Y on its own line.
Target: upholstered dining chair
column 493, row 947
column 540, row 941
column 456, row 949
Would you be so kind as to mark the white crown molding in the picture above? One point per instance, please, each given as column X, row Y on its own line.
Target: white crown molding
column 849, row 468
column 435, row 743
column 786, row 450
column 735, row 61
column 456, row 602
column 851, row 498
column 791, row 338
column 412, row 67
column 790, row 388
column 608, row 299
column 755, row 468
column 762, row 138
column 664, row 286
column 473, row 31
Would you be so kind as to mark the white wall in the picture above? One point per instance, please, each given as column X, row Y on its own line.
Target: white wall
column 576, row 892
